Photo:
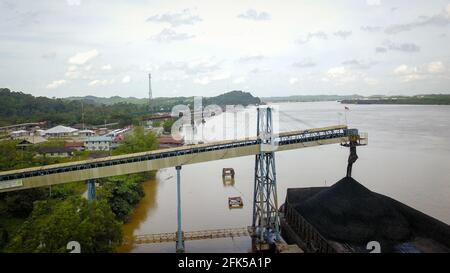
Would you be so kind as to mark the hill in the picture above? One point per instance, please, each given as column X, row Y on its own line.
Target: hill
column 18, row 107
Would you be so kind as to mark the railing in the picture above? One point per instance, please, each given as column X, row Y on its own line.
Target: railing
column 308, row 234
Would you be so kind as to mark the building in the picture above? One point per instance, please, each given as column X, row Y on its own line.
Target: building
column 56, row 152
column 166, row 141
column 77, row 146
column 19, row 134
column 99, row 143
column 61, row 131
column 30, row 141
column 86, row 133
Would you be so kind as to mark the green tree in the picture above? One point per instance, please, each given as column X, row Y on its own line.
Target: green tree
column 122, row 193
column 54, row 223
column 139, row 141
column 167, row 125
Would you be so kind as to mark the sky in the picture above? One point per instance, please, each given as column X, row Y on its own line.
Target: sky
column 61, row 48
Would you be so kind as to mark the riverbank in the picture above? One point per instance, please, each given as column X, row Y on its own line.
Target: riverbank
column 402, row 100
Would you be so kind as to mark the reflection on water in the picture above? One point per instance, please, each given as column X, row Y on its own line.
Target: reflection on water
column 142, row 211
column 408, row 158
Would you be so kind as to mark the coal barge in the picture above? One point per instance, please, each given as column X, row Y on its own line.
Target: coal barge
column 349, row 218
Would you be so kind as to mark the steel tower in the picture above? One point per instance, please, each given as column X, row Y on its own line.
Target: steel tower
column 266, row 221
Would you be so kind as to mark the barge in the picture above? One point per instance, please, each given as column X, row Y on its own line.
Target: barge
column 348, row 218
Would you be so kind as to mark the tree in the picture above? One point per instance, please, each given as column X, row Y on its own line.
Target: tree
column 139, row 141
column 54, row 223
column 167, row 125
column 122, row 193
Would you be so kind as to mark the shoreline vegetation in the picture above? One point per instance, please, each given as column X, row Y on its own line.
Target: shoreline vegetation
column 30, row 218
column 432, row 99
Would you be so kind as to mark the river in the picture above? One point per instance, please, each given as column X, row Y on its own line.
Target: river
column 408, row 159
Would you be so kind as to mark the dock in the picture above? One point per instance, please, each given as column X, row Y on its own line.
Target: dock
column 188, row 235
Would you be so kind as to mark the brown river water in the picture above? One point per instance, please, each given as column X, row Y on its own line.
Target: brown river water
column 408, row 158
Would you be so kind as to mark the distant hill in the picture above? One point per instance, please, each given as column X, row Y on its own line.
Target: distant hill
column 166, row 103
column 18, row 107
column 109, row 101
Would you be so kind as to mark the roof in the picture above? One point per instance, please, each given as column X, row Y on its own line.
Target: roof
column 60, row 130
column 86, row 131
column 18, row 132
column 99, row 138
column 74, row 144
column 169, row 140
column 33, row 140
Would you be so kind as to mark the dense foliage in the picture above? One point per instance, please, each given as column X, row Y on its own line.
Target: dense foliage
column 18, row 107
column 139, row 141
column 122, row 193
column 418, row 100
column 53, row 224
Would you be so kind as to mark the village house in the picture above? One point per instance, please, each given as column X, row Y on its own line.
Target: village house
column 61, row 131
column 99, row 143
column 30, row 141
column 55, row 152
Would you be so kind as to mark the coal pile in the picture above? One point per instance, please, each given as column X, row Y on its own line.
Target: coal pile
column 347, row 212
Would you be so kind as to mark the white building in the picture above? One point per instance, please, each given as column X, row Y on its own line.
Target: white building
column 60, row 131
column 86, row 133
column 19, row 134
column 99, row 143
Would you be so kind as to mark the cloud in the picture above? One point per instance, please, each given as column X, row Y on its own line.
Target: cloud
column 441, row 19
column 251, row 58
column 126, row 79
column 318, row 34
column 49, row 56
column 259, row 70
column 405, row 47
column 304, row 64
column 168, row 35
column 100, row 82
column 56, row 84
column 359, row 64
column 435, row 67
column 106, row 67
column 293, row 80
column 341, row 75
column 73, row 2
column 425, row 71
column 206, row 79
column 371, row 29
column 343, row 34
column 373, row 2
column 193, row 68
column 380, row 49
column 252, row 14
column 176, row 19
column 83, row 57
column 239, row 80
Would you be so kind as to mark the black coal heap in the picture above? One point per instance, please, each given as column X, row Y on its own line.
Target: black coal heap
column 348, row 212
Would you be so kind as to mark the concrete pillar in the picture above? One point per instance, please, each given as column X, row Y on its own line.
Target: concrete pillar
column 91, row 189
column 180, row 242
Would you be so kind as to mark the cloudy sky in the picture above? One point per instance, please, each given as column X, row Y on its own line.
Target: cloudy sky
column 61, row 48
